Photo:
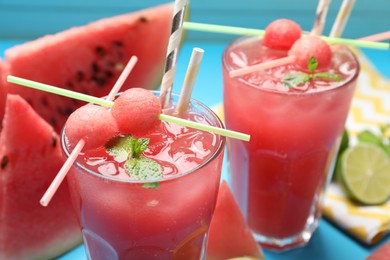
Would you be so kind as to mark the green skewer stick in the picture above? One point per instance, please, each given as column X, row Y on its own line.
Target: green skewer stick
column 256, row 32
column 222, row 29
column 59, row 91
column 107, row 103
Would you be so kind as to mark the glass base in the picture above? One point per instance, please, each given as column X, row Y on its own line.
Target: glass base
column 284, row 244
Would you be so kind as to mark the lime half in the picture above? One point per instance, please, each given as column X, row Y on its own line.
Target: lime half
column 364, row 173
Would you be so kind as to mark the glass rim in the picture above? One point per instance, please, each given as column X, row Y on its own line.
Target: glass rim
column 228, row 67
column 219, row 148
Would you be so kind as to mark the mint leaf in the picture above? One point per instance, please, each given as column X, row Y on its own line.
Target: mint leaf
column 367, row 136
column 151, row 185
column 328, row 76
column 295, row 79
column 121, row 147
column 139, row 146
column 312, row 64
column 144, row 169
column 126, row 148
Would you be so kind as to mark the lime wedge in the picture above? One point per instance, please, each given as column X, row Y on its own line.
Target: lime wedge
column 364, row 173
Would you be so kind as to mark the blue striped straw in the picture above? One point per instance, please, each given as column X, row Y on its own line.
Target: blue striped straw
column 173, row 47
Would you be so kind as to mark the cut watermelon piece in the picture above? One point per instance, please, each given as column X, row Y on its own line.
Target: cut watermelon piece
column 136, row 111
column 30, row 157
column 229, row 235
column 311, row 46
column 92, row 123
column 281, row 34
column 89, row 59
column 382, row 253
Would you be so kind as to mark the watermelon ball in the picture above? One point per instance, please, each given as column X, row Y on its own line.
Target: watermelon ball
column 136, row 110
column 281, row 34
column 309, row 46
column 92, row 123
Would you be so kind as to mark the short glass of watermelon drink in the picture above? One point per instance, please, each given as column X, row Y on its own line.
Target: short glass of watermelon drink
column 123, row 218
column 279, row 176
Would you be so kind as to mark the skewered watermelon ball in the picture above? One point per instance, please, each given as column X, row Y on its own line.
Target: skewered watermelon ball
column 92, row 123
column 281, row 34
column 136, row 110
column 309, row 46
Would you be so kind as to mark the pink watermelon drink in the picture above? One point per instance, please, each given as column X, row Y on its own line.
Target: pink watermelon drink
column 126, row 217
column 279, row 176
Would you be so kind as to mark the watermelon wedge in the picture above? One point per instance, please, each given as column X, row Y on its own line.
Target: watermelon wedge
column 382, row 253
column 30, row 157
column 89, row 59
column 229, row 235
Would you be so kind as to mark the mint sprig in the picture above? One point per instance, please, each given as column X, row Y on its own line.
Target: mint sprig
column 382, row 140
column 129, row 150
column 143, row 169
column 296, row 79
column 312, row 64
column 293, row 80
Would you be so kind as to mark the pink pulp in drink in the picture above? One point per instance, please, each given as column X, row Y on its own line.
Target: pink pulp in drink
column 123, row 219
column 278, row 176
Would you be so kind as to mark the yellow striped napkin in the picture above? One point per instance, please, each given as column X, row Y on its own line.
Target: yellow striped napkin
column 367, row 223
column 370, row 108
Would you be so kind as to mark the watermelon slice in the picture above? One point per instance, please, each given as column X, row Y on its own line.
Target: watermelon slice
column 382, row 253
column 89, row 59
column 30, row 157
column 229, row 235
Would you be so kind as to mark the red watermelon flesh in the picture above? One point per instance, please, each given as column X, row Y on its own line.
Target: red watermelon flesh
column 89, row 59
column 229, row 235
column 382, row 253
column 30, row 157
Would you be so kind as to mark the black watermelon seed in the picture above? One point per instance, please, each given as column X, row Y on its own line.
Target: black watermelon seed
column 143, row 19
column 4, row 162
column 109, row 74
column 54, row 141
column 100, row 51
column 86, row 91
column 69, row 84
column 44, row 101
column 80, row 76
column 99, row 81
column 68, row 111
column 118, row 44
column 53, row 121
column 95, row 67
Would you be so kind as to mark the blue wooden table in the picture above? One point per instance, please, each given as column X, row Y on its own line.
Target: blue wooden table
column 329, row 242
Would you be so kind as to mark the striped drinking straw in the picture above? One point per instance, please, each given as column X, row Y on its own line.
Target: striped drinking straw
column 321, row 13
column 171, row 58
column 342, row 18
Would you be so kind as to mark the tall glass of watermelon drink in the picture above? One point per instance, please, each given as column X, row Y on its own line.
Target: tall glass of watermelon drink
column 279, row 176
column 123, row 218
